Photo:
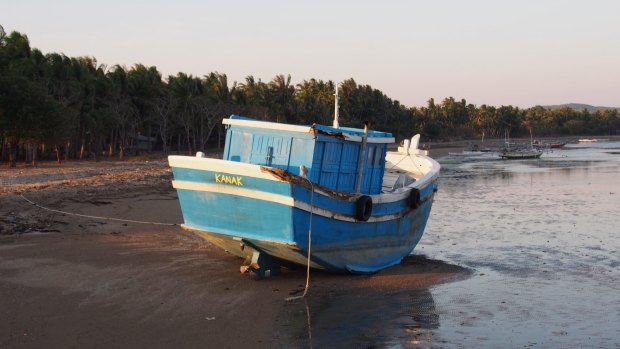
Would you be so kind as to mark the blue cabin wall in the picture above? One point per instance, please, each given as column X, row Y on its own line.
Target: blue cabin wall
column 335, row 165
column 332, row 162
column 374, row 168
column 280, row 149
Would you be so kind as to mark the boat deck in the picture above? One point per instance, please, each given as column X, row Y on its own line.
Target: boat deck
column 395, row 178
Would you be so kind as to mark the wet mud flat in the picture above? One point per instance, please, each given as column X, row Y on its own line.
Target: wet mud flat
column 75, row 281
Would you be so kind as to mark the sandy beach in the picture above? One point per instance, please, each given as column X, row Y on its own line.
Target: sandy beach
column 75, row 281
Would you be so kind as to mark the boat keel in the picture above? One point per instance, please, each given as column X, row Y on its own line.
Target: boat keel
column 261, row 264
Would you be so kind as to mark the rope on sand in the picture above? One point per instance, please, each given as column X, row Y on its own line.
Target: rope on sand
column 93, row 217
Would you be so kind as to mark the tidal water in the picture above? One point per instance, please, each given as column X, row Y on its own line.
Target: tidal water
column 543, row 237
column 541, row 241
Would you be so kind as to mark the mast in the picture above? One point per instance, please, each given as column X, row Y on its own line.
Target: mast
column 507, row 139
column 336, row 124
column 362, row 158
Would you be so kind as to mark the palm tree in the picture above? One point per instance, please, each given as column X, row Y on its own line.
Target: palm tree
column 281, row 94
column 186, row 91
column 122, row 108
column 252, row 95
column 315, row 100
column 163, row 106
column 144, row 86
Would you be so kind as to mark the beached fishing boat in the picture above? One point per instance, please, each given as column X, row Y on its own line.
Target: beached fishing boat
column 284, row 192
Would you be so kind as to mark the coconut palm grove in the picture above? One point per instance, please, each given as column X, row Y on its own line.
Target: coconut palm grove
column 58, row 107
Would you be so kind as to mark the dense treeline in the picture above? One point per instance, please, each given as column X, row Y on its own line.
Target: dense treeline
column 56, row 106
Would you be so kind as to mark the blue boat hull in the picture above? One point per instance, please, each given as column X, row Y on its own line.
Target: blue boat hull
column 252, row 211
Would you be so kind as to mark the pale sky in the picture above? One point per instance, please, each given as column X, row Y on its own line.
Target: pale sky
column 520, row 53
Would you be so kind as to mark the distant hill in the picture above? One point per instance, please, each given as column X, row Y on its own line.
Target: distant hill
column 579, row 107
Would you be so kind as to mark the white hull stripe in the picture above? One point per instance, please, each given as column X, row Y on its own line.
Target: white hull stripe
column 276, row 198
column 222, row 166
column 230, row 190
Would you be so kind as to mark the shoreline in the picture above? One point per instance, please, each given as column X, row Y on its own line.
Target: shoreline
column 156, row 157
column 440, row 149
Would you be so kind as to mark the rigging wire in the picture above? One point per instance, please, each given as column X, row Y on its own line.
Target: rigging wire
column 309, row 246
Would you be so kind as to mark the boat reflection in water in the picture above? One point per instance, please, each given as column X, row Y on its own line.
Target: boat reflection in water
column 360, row 319
column 389, row 309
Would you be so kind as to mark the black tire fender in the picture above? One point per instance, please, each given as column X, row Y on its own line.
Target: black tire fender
column 414, row 198
column 363, row 208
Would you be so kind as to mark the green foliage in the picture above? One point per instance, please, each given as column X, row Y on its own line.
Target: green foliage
column 84, row 108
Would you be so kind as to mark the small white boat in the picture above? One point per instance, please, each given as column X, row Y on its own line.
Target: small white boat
column 592, row 140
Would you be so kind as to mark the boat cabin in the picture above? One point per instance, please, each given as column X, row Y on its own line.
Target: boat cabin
column 330, row 155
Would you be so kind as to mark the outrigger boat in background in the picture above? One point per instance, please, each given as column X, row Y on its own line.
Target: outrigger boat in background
column 467, row 153
column 474, row 154
column 548, row 145
column 281, row 191
column 519, row 153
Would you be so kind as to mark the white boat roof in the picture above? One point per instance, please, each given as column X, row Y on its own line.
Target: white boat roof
column 349, row 134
